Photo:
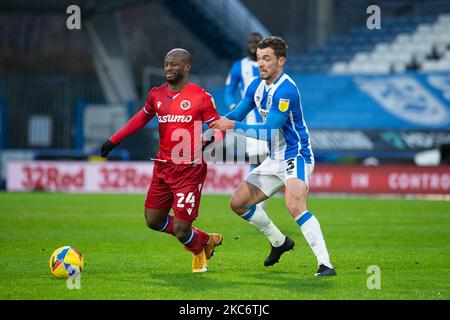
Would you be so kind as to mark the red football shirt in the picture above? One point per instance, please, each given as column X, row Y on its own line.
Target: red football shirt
column 180, row 116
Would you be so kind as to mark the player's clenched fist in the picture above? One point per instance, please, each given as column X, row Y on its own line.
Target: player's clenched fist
column 106, row 148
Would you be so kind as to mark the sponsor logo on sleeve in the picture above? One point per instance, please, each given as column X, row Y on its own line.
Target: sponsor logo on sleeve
column 283, row 105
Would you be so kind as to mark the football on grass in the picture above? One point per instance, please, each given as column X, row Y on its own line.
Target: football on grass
column 65, row 262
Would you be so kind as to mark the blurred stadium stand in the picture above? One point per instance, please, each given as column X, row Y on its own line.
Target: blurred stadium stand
column 412, row 44
column 364, row 91
column 211, row 20
column 350, row 44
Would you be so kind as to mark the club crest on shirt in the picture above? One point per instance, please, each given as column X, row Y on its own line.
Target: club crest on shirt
column 185, row 104
column 159, row 104
column 283, row 105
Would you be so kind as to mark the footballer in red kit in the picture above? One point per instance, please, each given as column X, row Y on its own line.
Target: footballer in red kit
column 179, row 170
column 180, row 115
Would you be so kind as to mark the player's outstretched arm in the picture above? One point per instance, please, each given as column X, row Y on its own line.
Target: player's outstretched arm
column 263, row 131
column 246, row 105
column 136, row 123
column 276, row 118
column 242, row 109
column 274, row 122
column 237, row 114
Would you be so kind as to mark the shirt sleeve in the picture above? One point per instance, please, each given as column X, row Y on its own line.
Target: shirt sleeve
column 246, row 105
column 209, row 112
column 275, row 120
column 282, row 103
column 263, row 131
column 136, row 123
column 149, row 107
column 139, row 120
column 233, row 80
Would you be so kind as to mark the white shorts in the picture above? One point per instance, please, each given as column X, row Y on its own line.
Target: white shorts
column 271, row 174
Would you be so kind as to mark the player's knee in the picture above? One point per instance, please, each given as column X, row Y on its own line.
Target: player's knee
column 151, row 223
column 233, row 205
column 237, row 206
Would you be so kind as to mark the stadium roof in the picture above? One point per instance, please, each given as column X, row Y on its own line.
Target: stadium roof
column 57, row 5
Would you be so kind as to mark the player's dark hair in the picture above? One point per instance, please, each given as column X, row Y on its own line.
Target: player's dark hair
column 277, row 44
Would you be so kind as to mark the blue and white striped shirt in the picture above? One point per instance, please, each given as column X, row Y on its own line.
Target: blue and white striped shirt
column 280, row 107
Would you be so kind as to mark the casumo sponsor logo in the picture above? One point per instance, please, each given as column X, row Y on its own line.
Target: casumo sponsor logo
column 174, row 118
column 407, row 99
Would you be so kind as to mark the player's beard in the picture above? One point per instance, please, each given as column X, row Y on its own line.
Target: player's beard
column 267, row 75
column 176, row 80
column 270, row 75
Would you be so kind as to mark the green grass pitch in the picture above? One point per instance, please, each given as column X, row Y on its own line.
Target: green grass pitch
column 409, row 240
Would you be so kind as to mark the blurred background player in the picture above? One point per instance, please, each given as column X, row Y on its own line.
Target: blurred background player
column 242, row 73
column 291, row 159
column 179, row 171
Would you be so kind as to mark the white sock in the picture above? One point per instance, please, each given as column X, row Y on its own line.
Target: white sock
column 313, row 234
column 258, row 218
column 262, row 204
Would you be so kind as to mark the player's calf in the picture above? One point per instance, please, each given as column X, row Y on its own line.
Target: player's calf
column 159, row 220
column 296, row 197
column 295, row 208
column 182, row 233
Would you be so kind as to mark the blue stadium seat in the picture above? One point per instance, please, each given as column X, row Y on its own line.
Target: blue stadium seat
column 358, row 39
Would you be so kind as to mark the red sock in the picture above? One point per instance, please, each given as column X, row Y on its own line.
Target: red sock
column 197, row 241
column 168, row 225
column 203, row 234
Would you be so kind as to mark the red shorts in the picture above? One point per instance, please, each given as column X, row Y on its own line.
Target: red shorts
column 177, row 186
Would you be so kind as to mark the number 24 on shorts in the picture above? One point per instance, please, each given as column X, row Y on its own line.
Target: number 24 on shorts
column 182, row 199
